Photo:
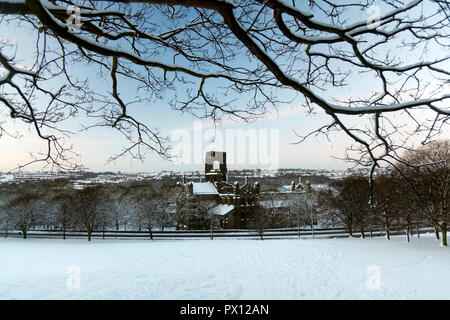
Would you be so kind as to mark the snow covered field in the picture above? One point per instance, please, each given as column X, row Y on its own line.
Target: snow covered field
column 225, row 269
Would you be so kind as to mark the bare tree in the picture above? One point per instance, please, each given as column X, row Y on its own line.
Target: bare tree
column 276, row 207
column 429, row 180
column 25, row 212
column 119, row 206
column 263, row 52
column 127, row 207
column 395, row 203
column 260, row 220
column 309, row 204
column 8, row 192
column 65, row 202
column 200, row 214
column 180, row 197
column 386, row 202
column 190, row 212
column 167, row 216
column 148, row 206
column 347, row 200
column 89, row 213
column 302, row 206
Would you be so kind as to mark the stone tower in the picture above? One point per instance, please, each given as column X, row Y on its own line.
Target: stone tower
column 216, row 166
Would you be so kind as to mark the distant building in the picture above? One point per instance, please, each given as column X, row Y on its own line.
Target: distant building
column 302, row 186
column 216, row 166
column 235, row 203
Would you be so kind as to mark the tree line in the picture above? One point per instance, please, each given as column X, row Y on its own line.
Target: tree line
column 413, row 193
column 58, row 205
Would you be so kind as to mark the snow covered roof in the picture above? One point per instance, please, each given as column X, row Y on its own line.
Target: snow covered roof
column 204, row 188
column 222, row 209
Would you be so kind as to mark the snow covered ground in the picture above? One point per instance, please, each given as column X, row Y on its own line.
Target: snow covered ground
column 225, row 269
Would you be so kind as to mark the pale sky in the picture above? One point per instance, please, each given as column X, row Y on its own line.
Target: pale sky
column 97, row 145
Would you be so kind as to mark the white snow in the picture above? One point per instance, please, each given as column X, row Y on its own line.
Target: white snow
column 222, row 209
column 226, row 269
column 6, row 178
column 204, row 188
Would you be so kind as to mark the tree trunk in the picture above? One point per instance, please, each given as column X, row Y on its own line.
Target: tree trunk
column 261, row 235
column 89, row 235
column 418, row 232
column 387, row 226
column 407, row 233
column 291, row 221
column 64, row 234
column 24, row 233
column 409, row 227
column 150, row 232
column 436, row 230
column 444, row 233
column 211, row 227
column 371, row 233
column 362, row 233
column 350, row 231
